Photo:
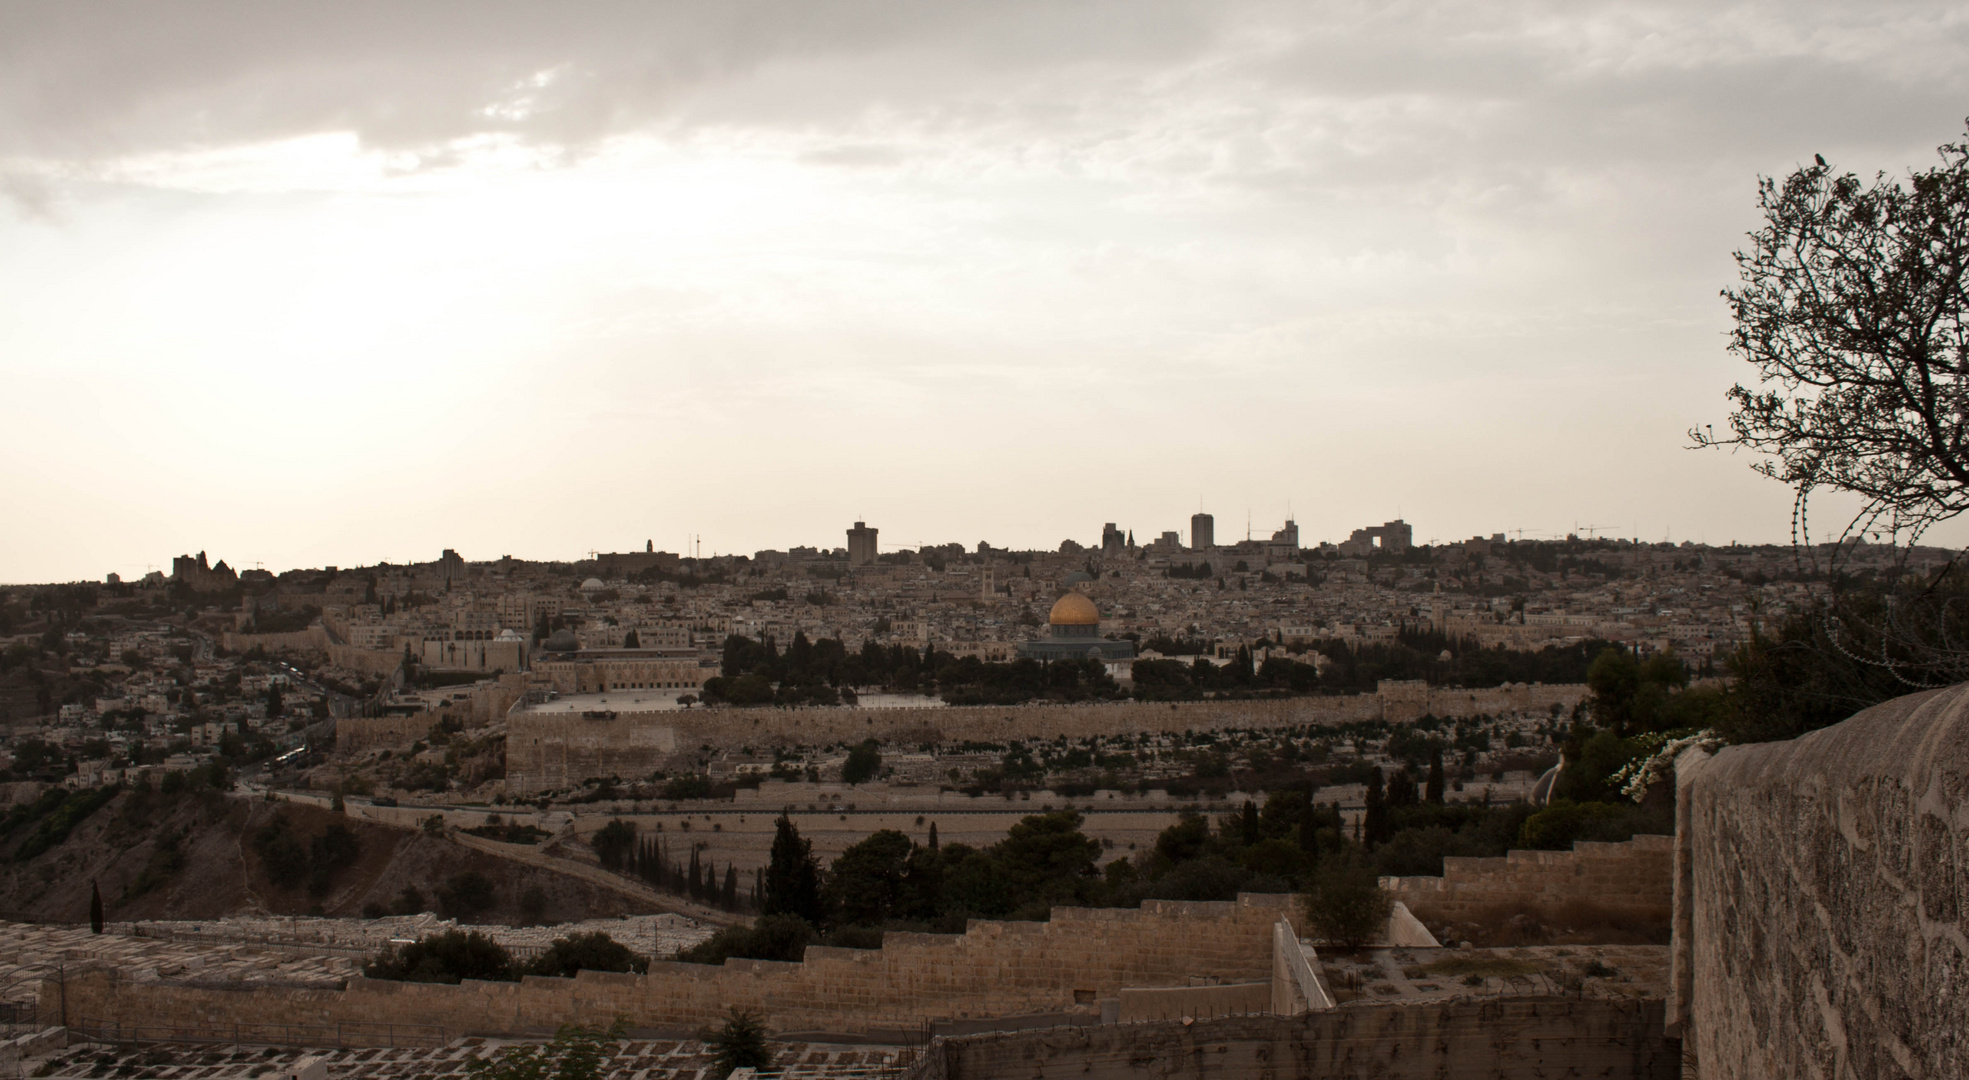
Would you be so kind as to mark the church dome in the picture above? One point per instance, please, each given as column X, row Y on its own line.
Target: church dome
column 591, row 584
column 1074, row 609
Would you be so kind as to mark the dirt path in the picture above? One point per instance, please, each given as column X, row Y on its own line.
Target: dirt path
column 532, row 856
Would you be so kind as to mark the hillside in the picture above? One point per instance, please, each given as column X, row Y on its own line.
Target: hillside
column 196, row 853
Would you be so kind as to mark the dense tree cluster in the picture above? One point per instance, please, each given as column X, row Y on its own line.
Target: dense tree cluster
column 292, row 860
column 1289, row 843
column 456, row 955
column 826, row 672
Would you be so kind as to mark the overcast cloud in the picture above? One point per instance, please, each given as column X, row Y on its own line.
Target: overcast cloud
column 323, row 283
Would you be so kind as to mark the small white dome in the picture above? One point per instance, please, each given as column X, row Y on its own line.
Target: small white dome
column 591, row 584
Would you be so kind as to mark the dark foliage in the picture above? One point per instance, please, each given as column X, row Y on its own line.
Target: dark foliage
column 586, row 952
column 449, row 957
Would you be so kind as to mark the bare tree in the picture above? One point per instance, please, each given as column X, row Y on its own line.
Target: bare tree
column 1850, row 307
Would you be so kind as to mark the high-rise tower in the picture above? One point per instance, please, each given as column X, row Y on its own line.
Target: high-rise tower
column 1203, row 532
column 861, row 544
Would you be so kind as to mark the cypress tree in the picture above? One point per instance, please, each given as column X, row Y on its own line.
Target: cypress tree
column 1401, row 788
column 1374, row 823
column 696, row 885
column 1434, row 792
column 933, row 836
column 1248, row 823
column 1309, row 840
column 731, row 887
column 792, row 885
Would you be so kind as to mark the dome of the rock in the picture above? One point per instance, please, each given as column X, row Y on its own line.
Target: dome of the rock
column 1074, row 609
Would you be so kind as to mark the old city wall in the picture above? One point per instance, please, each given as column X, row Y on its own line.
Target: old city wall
column 313, row 639
column 1822, row 890
column 358, row 734
column 475, row 705
column 1462, row 1040
column 367, row 661
column 550, row 750
column 1633, row 881
column 993, row 969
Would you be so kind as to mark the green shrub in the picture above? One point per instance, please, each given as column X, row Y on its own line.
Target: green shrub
column 56, row 826
column 291, row 860
column 1346, row 905
column 43, row 805
column 465, row 894
column 449, row 957
column 687, row 787
column 1556, row 827
column 613, row 841
column 864, row 761
column 740, row 1043
column 586, row 952
column 770, row 937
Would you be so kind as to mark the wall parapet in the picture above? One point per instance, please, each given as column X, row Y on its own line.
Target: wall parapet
column 1823, row 914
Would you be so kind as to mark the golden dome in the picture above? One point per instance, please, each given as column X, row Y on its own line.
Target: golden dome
column 1074, row 609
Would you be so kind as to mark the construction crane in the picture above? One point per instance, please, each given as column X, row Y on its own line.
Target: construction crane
column 1589, row 530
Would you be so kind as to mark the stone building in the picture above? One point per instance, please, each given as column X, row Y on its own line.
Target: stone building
column 594, row 671
column 861, row 544
column 1203, row 532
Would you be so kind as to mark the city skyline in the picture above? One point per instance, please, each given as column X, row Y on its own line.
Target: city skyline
column 318, row 288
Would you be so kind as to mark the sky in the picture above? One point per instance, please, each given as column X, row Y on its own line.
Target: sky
column 310, row 284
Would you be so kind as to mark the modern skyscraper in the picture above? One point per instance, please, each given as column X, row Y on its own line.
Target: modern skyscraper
column 1203, row 532
column 861, row 544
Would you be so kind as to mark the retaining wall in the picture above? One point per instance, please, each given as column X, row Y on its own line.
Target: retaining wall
column 1631, row 880
column 1822, row 889
column 552, row 750
column 1498, row 1039
column 993, row 969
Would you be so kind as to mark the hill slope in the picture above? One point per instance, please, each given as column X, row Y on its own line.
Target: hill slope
column 197, row 853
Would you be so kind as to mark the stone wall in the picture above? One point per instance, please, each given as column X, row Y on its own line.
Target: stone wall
column 1823, row 885
column 1633, row 880
column 313, row 639
column 1499, row 1039
column 993, row 969
column 1140, row 1003
column 551, row 750
column 367, row 661
column 356, row 734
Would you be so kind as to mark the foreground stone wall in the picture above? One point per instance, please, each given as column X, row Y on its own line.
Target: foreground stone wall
column 551, row 750
column 1633, row 880
column 993, row 969
column 1501, row 1039
column 1822, row 889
